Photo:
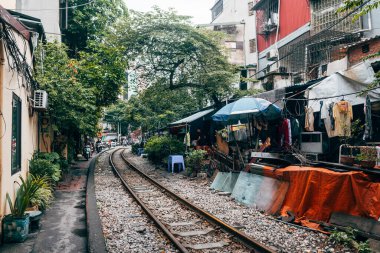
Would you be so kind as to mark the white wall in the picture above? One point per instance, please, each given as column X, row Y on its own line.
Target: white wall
column 236, row 11
column 8, row 4
column 10, row 83
column 47, row 11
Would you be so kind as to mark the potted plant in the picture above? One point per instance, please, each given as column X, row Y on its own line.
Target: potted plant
column 16, row 224
column 351, row 136
column 194, row 160
column 367, row 157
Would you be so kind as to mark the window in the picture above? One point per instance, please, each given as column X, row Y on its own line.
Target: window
column 243, row 82
column 365, row 49
column 231, row 44
column 217, row 9
column 16, row 135
column 252, row 46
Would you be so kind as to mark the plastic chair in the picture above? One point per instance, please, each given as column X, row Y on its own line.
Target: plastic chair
column 140, row 151
column 176, row 159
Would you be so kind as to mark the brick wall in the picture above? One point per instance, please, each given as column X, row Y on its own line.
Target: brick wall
column 358, row 52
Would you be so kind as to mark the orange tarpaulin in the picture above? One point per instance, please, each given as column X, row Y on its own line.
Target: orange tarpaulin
column 315, row 193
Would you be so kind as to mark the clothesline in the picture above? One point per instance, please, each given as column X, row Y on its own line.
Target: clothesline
column 321, row 98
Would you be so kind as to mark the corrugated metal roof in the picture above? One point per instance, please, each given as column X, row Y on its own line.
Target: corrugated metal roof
column 193, row 117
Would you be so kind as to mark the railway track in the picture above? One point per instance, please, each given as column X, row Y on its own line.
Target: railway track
column 188, row 227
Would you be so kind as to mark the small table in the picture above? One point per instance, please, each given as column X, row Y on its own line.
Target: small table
column 173, row 159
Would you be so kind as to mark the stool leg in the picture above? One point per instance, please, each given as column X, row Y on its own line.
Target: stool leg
column 173, row 167
column 183, row 166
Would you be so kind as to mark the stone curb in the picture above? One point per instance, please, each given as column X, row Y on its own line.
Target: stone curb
column 96, row 241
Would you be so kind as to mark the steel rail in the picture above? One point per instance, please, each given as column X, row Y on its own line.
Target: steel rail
column 239, row 235
column 171, row 237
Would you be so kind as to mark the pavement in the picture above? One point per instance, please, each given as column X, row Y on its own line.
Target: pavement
column 63, row 227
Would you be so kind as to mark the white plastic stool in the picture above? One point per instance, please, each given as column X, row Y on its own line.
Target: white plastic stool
column 173, row 159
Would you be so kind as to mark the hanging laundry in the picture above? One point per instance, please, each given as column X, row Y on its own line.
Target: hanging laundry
column 186, row 140
column 289, row 131
column 283, row 134
column 328, row 119
column 295, row 126
column 342, row 113
column 309, row 119
column 368, row 130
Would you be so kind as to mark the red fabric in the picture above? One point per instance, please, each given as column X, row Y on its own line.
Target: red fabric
column 283, row 137
column 315, row 193
column 293, row 15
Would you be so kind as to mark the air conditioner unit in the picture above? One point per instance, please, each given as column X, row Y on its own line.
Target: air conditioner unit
column 40, row 100
column 313, row 142
column 274, row 19
column 271, row 68
column 272, row 55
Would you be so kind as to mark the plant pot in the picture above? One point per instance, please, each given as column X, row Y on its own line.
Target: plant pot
column 347, row 160
column 367, row 164
column 15, row 229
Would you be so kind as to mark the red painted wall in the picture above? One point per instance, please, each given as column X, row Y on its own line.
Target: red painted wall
column 293, row 15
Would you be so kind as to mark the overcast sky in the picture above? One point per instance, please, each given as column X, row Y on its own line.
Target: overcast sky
column 198, row 9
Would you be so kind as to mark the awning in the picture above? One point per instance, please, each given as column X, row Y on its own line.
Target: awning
column 338, row 86
column 192, row 118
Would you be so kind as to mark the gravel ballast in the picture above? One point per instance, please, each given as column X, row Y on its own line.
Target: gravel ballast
column 125, row 225
column 283, row 237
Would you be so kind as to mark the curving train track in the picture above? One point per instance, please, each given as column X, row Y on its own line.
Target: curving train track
column 187, row 226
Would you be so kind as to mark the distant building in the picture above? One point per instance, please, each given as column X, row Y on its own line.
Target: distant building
column 47, row 11
column 237, row 20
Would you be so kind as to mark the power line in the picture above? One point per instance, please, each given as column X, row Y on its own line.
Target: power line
column 63, row 8
column 326, row 29
column 336, row 96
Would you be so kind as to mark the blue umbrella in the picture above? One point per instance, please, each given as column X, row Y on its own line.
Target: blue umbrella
column 243, row 107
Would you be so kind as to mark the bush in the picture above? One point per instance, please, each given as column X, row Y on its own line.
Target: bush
column 42, row 198
column 42, row 167
column 194, row 160
column 159, row 148
column 51, row 157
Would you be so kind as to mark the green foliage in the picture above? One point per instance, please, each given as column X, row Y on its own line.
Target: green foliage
column 42, row 167
column 72, row 106
column 26, row 191
column 367, row 154
column 194, row 160
column 348, row 239
column 167, row 50
column 42, row 198
column 91, row 22
column 52, row 157
column 159, row 148
column 350, row 5
column 341, row 237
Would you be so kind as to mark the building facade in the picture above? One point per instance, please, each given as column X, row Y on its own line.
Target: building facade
column 48, row 11
column 19, row 122
column 299, row 41
column 237, row 20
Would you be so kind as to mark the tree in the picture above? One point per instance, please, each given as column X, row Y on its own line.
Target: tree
column 167, row 50
column 363, row 7
column 154, row 108
column 71, row 105
column 90, row 22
